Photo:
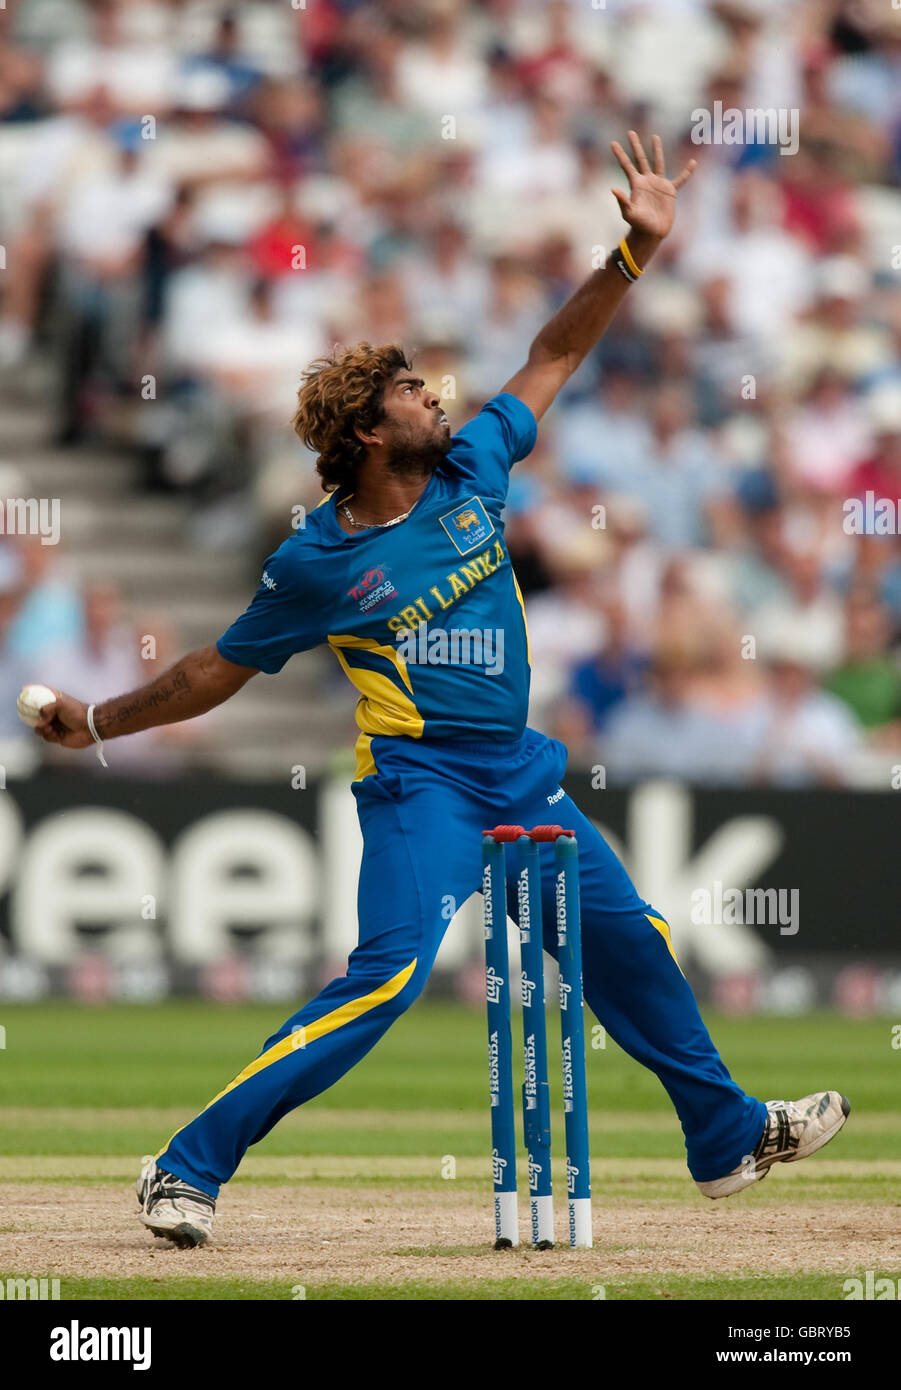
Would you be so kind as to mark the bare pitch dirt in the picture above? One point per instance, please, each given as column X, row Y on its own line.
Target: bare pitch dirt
column 299, row 1235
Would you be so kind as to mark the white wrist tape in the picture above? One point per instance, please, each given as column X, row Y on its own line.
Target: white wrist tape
column 96, row 737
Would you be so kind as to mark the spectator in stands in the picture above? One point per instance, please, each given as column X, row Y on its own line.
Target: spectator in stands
column 49, row 611
column 105, row 655
column 867, row 678
column 225, row 58
column 444, row 282
column 103, row 227
column 368, row 98
column 880, row 472
column 565, row 620
column 808, row 604
column 807, row 736
column 828, row 437
column 439, row 71
column 678, row 480
column 113, row 654
column 665, row 731
column 839, row 335
column 608, row 434
column 609, row 675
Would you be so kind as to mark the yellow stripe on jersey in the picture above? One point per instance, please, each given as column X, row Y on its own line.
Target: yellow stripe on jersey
column 524, row 623
column 384, row 707
column 663, row 928
column 365, row 761
column 318, row 1028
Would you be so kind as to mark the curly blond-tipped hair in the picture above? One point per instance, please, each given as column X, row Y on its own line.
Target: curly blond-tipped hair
column 339, row 394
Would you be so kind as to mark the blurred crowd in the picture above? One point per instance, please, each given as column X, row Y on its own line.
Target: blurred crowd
column 80, row 637
column 200, row 197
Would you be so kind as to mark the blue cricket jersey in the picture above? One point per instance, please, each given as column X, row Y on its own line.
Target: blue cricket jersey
column 426, row 617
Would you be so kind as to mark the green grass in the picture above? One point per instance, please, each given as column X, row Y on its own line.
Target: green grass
column 85, row 1089
column 65, row 1054
column 678, row 1287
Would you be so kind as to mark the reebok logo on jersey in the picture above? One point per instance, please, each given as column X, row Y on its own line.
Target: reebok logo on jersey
column 268, row 581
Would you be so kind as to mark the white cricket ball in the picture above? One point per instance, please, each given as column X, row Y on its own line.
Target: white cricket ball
column 32, row 699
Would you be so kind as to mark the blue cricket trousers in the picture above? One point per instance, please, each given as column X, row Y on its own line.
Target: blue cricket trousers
column 422, row 814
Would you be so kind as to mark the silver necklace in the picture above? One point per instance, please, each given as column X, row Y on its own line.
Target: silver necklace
column 369, row 525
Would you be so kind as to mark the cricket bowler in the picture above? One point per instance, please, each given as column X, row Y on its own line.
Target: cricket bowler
column 409, row 540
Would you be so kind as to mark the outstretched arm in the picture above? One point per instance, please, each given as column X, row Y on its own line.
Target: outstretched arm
column 650, row 208
column 197, row 683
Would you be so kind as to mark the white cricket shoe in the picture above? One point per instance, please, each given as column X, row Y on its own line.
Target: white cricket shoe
column 172, row 1209
column 794, row 1129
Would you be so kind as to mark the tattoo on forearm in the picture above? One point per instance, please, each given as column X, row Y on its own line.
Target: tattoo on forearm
column 149, row 699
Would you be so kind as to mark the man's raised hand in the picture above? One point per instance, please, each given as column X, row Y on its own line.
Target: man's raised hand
column 650, row 204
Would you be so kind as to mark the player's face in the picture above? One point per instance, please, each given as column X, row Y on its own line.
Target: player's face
column 415, row 428
column 418, row 411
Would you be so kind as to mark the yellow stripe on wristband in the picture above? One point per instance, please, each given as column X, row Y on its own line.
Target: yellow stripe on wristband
column 630, row 259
